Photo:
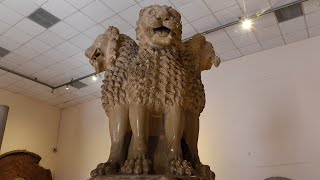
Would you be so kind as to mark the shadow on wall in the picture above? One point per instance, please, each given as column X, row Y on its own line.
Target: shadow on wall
column 277, row 178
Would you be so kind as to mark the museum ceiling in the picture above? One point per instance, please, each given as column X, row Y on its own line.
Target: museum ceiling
column 45, row 40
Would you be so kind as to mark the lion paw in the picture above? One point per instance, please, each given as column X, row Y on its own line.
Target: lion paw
column 179, row 167
column 205, row 172
column 136, row 166
column 107, row 168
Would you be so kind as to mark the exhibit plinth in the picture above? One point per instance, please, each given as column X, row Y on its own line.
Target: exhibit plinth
column 145, row 177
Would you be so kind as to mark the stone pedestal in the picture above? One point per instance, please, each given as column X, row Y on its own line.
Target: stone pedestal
column 145, row 177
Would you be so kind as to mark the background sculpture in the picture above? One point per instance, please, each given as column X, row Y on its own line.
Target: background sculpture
column 3, row 120
column 153, row 95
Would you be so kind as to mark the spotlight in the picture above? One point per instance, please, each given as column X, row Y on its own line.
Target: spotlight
column 247, row 24
column 67, row 87
column 94, row 77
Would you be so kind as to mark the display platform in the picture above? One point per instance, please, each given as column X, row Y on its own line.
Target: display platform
column 145, row 177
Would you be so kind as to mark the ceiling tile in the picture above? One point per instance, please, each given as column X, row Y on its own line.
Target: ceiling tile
column 30, row 27
column 254, row 7
column 217, row 36
column 64, row 30
column 179, row 3
column 72, row 63
column 24, row 7
column 265, row 21
column 229, row 14
column 80, row 21
column 314, row 31
column 94, row 31
column 8, row 43
column 267, row 33
column 27, row 52
column 98, row 11
column 81, row 57
column 9, row 16
column 29, row 68
column 194, row 10
column 85, row 69
column 253, row 48
column 131, row 33
column 272, row 43
column 79, row 3
column 3, row 27
column 224, row 46
column 25, row 83
column 50, row 38
column 81, row 41
column 310, row 7
column 278, row 3
column 313, row 19
column 117, row 5
column 44, row 60
column 205, row 23
column 17, row 35
column 236, row 30
column 293, row 25
column 39, row 2
column 131, row 14
column 295, row 36
column 146, row 3
column 16, row 58
column 230, row 55
column 188, row 31
column 218, row 5
column 55, row 55
column 37, row 45
column 245, row 39
column 68, row 48
column 8, row 64
column 45, row 74
column 59, row 8
column 61, row 69
column 118, row 22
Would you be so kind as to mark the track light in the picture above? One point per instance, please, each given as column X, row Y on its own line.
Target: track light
column 94, row 77
column 67, row 87
column 247, row 24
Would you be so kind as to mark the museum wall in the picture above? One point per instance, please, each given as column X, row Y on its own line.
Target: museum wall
column 31, row 126
column 261, row 119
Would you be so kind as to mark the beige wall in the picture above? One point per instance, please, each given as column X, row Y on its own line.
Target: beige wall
column 31, row 126
column 261, row 119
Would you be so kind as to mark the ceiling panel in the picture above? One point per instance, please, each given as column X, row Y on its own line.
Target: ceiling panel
column 56, row 55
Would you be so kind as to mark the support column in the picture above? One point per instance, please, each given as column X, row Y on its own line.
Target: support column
column 3, row 119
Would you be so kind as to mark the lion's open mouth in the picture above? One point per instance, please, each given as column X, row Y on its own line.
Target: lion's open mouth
column 162, row 31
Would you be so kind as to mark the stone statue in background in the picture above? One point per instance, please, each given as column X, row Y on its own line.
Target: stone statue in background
column 153, row 96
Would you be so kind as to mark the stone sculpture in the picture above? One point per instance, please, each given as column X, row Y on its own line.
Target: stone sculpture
column 153, row 90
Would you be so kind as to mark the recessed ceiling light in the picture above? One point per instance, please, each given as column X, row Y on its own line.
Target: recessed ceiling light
column 94, row 77
column 247, row 24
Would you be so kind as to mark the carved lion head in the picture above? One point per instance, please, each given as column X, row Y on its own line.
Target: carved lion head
column 159, row 26
column 102, row 52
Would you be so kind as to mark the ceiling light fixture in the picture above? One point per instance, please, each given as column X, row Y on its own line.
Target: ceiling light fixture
column 247, row 24
column 94, row 77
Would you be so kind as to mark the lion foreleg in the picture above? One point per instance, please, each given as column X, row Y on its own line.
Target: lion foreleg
column 174, row 127
column 139, row 122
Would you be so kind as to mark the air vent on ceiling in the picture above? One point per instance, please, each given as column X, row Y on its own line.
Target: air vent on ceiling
column 289, row 12
column 43, row 18
column 3, row 52
column 78, row 84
